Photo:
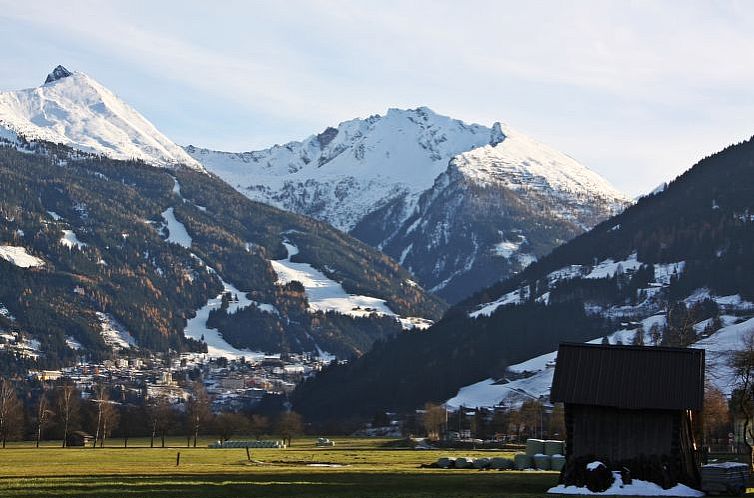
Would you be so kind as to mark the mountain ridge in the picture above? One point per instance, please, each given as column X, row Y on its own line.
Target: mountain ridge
column 669, row 270
column 373, row 178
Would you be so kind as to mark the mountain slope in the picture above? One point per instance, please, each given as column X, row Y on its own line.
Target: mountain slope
column 672, row 269
column 75, row 110
column 92, row 248
column 460, row 205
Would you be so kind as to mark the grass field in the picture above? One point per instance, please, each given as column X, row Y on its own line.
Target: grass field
column 355, row 467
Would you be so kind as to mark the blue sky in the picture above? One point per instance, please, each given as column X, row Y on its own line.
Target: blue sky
column 636, row 90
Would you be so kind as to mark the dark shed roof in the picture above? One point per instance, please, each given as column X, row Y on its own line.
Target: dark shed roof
column 632, row 377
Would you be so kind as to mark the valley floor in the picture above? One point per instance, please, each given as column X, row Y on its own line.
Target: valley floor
column 353, row 468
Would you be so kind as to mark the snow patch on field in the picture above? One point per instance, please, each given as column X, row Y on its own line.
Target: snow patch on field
column 114, row 333
column 18, row 256
column 177, row 233
column 72, row 343
column 217, row 346
column 636, row 488
column 325, row 294
column 70, row 240
column 609, row 268
column 513, row 297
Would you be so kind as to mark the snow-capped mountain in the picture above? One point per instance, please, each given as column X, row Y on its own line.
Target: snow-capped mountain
column 460, row 205
column 73, row 109
column 671, row 269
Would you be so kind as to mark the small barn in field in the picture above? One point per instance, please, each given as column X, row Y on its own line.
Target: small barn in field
column 632, row 406
column 79, row 438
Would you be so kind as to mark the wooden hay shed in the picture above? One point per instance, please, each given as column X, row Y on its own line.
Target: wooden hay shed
column 79, row 438
column 632, row 406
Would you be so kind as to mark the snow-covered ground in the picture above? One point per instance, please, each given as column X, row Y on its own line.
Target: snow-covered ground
column 72, row 343
column 70, row 240
column 177, row 233
column 520, row 162
column 78, row 111
column 513, row 297
column 636, row 488
column 325, row 294
column 114, row 333
column 718, row 347
column 197, row 329
column 19, row 257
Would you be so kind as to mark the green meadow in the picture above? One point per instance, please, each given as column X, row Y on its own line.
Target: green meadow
column 353, row 468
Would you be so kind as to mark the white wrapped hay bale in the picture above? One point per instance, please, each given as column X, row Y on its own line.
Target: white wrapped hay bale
column 557, row 462
column 535, row 447
column 499, row 463
column 522, row 461
column 464, row 463
column 446, row 462
column 541, row 461
column 482, row 463
column 554, row 448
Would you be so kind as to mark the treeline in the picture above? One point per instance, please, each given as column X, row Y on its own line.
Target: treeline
column 42, row 412
column 404, row 372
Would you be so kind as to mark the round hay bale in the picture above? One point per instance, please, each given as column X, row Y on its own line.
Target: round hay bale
column 554, row 448
column 522, row 461
column 499, row 463
column 557, row 462
column 598, row 477
column 482, row 463
column 464, row 463
column 534, row 447
column 542, row 462
column 445, row 462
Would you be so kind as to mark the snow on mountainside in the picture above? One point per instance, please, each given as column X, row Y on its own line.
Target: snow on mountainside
column 343, row 173
column 75, row 110
column 460, row 205
column 521, row 163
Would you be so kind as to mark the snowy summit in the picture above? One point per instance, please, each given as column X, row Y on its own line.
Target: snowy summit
column 460, row 205
column 73, row 109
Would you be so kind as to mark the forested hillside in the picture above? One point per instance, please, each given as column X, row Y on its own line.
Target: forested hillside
column 89, row 243
column 680, row 256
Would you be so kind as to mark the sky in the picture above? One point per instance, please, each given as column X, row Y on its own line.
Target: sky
column 636, row 90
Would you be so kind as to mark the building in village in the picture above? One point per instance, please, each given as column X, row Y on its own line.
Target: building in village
column 632, row 406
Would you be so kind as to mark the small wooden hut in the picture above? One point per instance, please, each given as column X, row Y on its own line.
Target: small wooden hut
column 632, row 407
column 79, row 438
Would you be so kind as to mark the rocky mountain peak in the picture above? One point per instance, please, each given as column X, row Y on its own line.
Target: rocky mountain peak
column 58, row 73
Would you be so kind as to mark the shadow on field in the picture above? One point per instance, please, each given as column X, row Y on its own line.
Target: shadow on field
column 319, row 484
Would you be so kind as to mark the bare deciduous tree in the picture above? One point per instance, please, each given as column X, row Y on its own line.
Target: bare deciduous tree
column 68, row 406
column 160, row 416
column 199, row 409
column 259, row 425
column 11, row 413
column 44, row 415
column 290, row 424
column 741, row 363
column 434, row 419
